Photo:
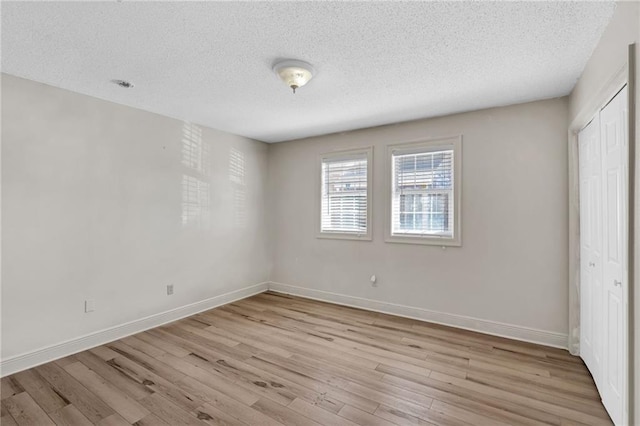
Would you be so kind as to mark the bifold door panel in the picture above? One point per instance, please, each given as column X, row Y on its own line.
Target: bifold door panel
column 603, row 158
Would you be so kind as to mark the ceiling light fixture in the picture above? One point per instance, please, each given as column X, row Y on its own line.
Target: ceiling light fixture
column 293, row 73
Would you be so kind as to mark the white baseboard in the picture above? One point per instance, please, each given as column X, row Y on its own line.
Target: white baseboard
column 41, row 356
column 526, row 334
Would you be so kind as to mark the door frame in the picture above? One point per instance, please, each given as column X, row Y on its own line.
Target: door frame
column 624, row 76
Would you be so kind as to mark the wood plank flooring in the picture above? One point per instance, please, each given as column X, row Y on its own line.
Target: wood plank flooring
column 281, row 360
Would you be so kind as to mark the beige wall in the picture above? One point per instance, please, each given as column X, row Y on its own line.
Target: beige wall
column 512, row 266
column 636, row 260
column 609, row 57
column 93, row 200
column 635, row 412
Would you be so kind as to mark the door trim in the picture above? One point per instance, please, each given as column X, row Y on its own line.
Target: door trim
column 632, row 391
column 624, row 76
column 593, row 107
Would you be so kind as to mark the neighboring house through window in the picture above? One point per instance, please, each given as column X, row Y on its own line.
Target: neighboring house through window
column 425, row 192
column 345, row 194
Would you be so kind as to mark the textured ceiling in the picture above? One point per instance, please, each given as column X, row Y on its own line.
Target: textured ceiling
column 377, row 63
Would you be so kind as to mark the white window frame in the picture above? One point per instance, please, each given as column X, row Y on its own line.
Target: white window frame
column 427, row 145
column 335, row 155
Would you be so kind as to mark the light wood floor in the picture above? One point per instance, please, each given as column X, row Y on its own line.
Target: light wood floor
column 274, row 359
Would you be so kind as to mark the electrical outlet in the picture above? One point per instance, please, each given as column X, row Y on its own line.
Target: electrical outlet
column 89, row 305
column 169, row 289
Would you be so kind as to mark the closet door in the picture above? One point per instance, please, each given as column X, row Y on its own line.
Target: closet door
column 614, row 140
column 591, row 307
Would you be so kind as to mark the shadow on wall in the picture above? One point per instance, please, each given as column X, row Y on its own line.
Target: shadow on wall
column 237, row 171
column 196, row 186
column 196, row 197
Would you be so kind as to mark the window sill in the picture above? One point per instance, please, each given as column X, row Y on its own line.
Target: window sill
column 428, row 241
column 338, row 236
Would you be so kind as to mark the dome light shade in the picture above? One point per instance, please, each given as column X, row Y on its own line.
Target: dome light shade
column 294, row 73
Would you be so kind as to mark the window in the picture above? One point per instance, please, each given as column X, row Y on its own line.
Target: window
column 345, row 195
column 425, row 192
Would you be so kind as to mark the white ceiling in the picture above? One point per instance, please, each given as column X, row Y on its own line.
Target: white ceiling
column 377, row 63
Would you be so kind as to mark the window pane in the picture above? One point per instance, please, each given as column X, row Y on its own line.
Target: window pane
column 422, row 201
column 344, row 195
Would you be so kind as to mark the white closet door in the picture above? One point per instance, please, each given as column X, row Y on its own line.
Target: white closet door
column 614, row 139
column 591, row 306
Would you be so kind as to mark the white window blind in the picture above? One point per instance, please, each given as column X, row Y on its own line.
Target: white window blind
column 344, row 195
column 423, row 193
